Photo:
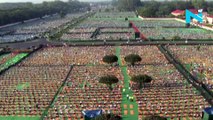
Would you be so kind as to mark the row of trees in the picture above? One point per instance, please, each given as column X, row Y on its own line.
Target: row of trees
column 161, row 9
column 132, row 59
column 25, row 11
column 141, row 80
column 109, row 80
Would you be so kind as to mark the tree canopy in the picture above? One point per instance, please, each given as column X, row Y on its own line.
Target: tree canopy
column 109, row 80
column 128, row 4
column 141, row 79
column 161, row 9
column 132, row 58
column 110, row 59
column 18, row 12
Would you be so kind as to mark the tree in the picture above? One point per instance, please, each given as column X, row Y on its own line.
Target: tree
column 110, row 59
column 132, row 59
column 108, row 117
column 62, row 14
column 141, row 79
column 109, row 80
column 198, row 4
column 154, row 117
column 128, row 5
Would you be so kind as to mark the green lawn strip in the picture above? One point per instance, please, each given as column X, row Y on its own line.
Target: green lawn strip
column 19, row 117
column 127, row 91
column 22, row 86
column 12, row 61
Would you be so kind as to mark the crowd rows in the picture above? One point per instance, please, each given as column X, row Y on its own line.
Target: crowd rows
column 84, row 92
column 30, row 30
column 102, row 23
column 198, row 60
column 15, row 38
column 29, row 87
column 92, row 55
column 168, row 95
column 149, row 54
column 69, row 55
column 76, row 36
column 31, row 99
column 84, row 30
column 115, row 36
column 81, row 30
column 114, row 15
column 158, row 23
column 183, row 33
column 122, row 29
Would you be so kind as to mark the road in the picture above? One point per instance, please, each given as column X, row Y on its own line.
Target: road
column 27, row 44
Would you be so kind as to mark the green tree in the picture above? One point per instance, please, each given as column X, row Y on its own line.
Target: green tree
column 62, row 14
column 198, row 4
column 141, row 79
column 109, row 80
column 110, row 59
column 132, row 59
column 17, row 12
column 128, row 5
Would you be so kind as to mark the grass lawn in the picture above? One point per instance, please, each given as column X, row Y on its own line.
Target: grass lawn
column 22, row 86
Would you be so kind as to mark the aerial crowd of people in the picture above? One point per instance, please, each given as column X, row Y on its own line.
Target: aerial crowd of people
column 34, row 29
column 64, row 80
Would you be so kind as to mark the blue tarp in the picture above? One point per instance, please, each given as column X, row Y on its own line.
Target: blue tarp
column 209, row 110
column 92, row 113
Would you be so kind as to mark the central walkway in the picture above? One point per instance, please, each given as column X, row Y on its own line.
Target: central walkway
column 129, row 108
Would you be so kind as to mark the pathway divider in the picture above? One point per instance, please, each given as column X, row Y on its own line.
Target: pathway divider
column 129, row 108
column 45, row 113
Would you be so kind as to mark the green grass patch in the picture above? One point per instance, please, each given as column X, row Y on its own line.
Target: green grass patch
column 19, row 117
column 22, row 86
column 12, row 61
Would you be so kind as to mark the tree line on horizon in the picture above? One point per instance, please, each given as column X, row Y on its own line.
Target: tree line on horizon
column 18, row 12
column 161, row 9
